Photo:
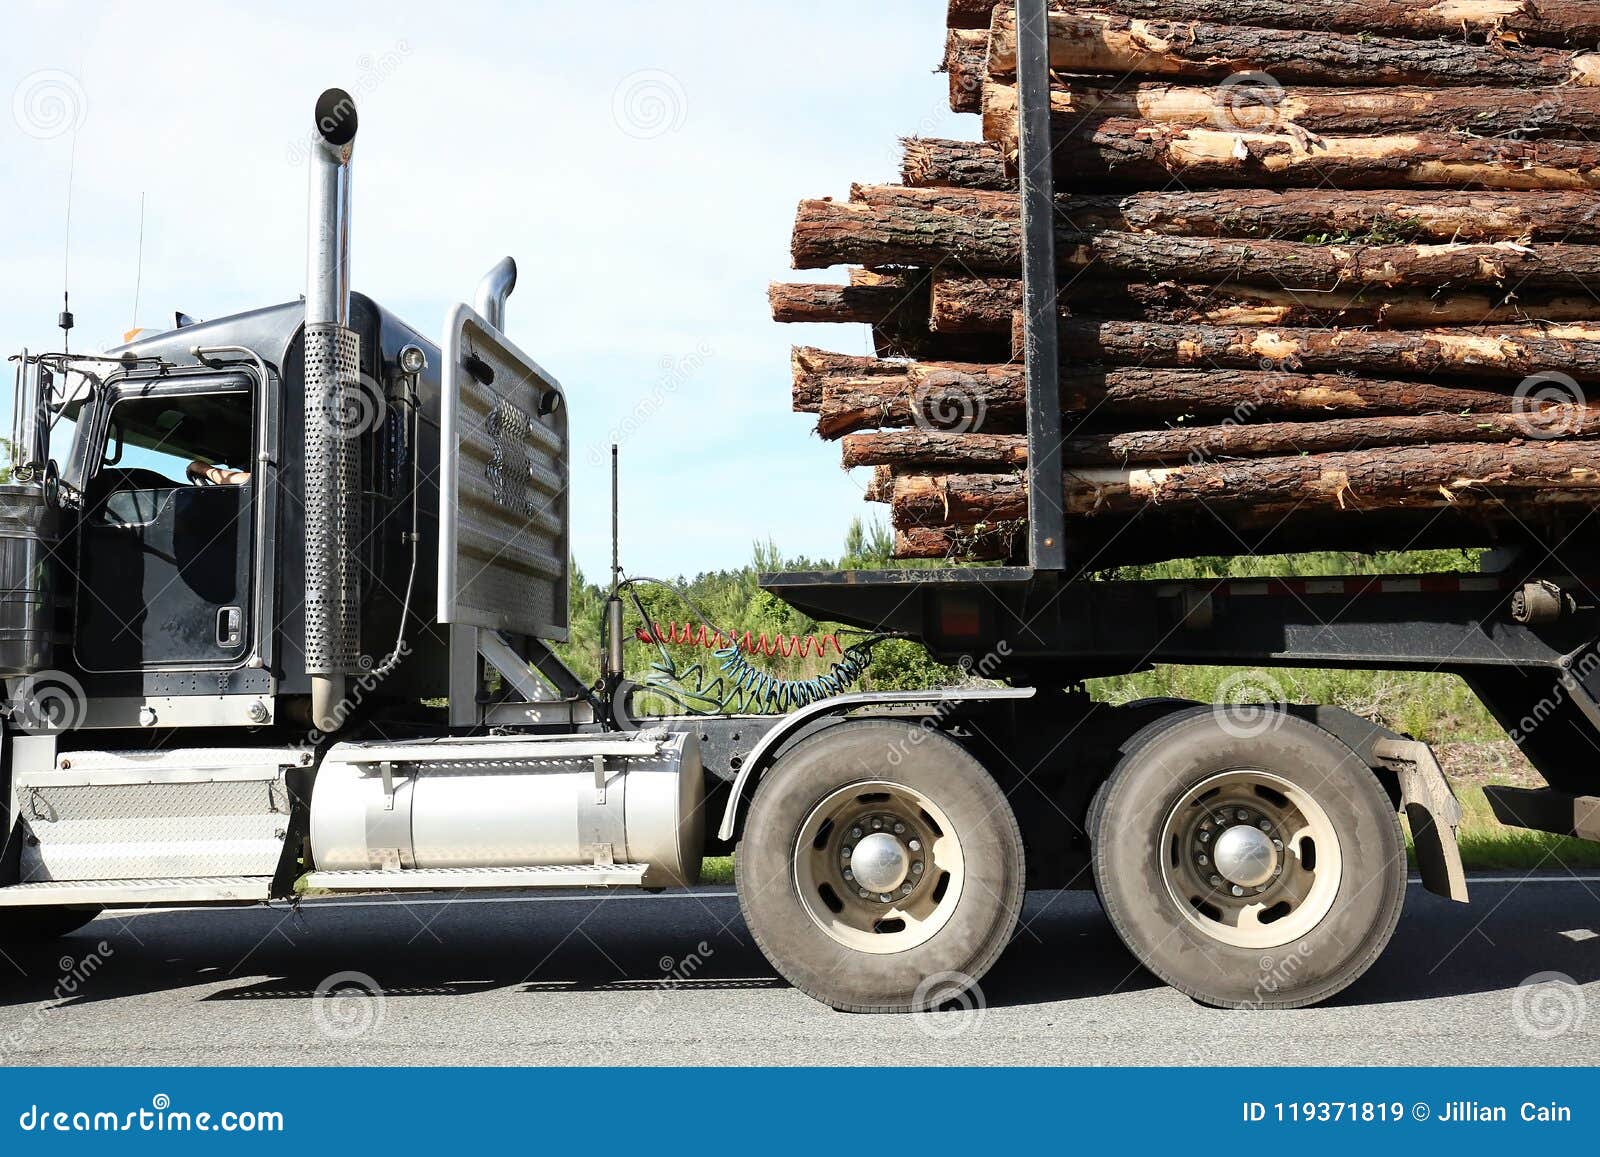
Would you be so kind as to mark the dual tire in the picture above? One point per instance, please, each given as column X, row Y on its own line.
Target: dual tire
column 1246, row 858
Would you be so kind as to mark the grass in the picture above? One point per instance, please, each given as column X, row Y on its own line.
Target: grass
column 716, row 870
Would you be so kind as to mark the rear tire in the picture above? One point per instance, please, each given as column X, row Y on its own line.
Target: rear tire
column 1239, row 922
column 912, row 814
column 23, row 926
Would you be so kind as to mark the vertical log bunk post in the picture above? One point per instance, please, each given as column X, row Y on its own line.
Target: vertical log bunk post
column 1042, row 343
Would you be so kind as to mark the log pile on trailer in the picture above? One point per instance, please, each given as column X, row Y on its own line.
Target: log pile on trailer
column 1329, row 276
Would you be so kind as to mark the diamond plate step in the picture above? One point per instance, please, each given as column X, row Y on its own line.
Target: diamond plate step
column 111, row 892
column 553, row 876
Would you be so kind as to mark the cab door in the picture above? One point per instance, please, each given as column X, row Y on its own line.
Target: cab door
column 165, row 543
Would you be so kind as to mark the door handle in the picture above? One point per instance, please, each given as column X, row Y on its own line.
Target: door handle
column 230, row 627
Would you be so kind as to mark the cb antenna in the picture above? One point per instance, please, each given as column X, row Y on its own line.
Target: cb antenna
column 613, row 660
column 138, row 267
column 64, row 320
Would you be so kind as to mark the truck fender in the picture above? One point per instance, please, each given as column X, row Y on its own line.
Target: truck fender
column 860, row 703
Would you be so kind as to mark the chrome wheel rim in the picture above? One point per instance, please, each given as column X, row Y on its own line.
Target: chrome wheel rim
column 878, row 867
column 1251, row 859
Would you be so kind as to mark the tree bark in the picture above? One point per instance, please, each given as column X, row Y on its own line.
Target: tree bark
column 926, row 542
column 1554, row 22
column 862, row 393
column 1291, row 214
column 1495, row 352
column 963, row 164
column 830, row 233
column 969, row 452
column 1422, row 477
column 1346, row 484
column 1554, row 113
column 1099, row 42
column 814, row 302
column 813, row 368
column 988, row 305
column 966, row 65
column 1132, row 154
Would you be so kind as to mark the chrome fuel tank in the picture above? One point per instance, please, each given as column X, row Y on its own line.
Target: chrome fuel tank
column 513, row 801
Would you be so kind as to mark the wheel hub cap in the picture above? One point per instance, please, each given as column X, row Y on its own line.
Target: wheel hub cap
column 1245, row 855
column 881, row 862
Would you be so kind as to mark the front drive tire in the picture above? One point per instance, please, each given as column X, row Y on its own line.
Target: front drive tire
column 881, row 867
column 1230, row 919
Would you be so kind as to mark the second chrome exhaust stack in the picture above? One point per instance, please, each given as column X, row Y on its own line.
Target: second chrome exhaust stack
column 496, row 286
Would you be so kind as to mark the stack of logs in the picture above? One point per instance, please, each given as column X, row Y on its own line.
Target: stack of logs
column 1328, row 280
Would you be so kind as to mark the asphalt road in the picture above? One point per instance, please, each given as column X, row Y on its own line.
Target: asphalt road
column 676, row 979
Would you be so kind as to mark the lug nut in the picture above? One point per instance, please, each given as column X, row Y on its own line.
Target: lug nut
column 1278, row 844
column 915, row 845
column 1242, row 814
column 906, row 891
column 1203, row 859
column 855, row 833
column 885, row 897
column 1265, row 826
column 1216, row 881
column 899, row 829
column 1205, row 837
column 1237, row 891
column 876, row 824
column 916, row 869
column 849, row 875
column 865, row 893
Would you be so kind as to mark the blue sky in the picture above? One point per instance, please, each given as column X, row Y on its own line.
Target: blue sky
column 641, row 161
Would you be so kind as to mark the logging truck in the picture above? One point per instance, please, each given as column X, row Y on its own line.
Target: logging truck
column 280, row 597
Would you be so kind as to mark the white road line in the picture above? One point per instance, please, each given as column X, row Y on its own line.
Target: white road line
column 422, row 901
column 1526, row 880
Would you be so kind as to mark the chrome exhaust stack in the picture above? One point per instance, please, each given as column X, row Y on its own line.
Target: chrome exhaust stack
column 331, row 462
column 496, row 286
